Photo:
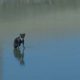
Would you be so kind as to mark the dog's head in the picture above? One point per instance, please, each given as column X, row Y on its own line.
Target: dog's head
column 22, row 35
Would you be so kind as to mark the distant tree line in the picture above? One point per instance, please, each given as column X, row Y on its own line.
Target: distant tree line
column 27, row 2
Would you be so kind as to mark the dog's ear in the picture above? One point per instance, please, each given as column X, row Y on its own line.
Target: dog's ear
column 24, row 34
column 20, row 34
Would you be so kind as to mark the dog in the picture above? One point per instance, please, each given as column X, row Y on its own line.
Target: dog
column 19, row 40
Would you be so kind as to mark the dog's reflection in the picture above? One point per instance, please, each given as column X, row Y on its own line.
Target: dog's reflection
column 19, row 55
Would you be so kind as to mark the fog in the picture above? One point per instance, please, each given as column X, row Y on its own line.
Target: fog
column 39, row 19
column 57, row 19
column 50, row 20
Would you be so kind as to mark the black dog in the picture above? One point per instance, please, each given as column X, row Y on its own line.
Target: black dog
column 19, row 40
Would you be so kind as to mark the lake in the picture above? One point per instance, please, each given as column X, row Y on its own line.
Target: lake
column 52, row 43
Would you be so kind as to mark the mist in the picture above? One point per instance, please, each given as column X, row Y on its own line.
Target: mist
column 52, row 27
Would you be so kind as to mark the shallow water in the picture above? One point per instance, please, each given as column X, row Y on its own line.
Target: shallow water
column 52, row 43
column 50, row 59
